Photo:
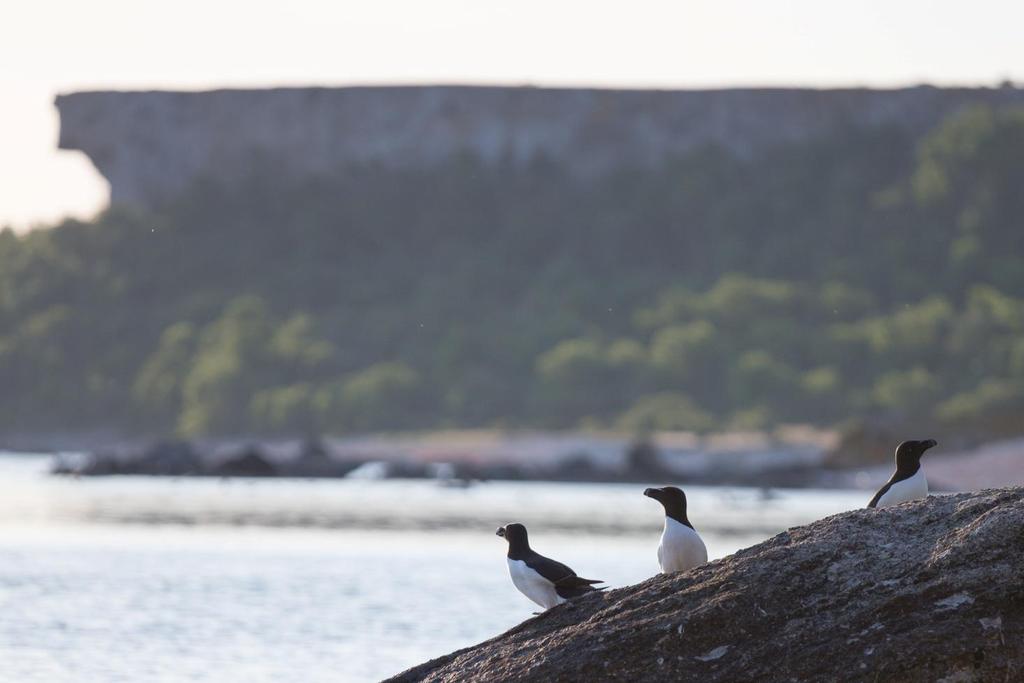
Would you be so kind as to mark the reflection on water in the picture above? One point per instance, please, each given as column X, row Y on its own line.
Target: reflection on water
column 197, row 579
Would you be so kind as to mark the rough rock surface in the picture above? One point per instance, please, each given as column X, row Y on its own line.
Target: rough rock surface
column 152, row 146
column 925, row 591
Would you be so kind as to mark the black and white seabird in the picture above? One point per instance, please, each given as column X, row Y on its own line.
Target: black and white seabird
column 908, row 481
column 543, row 580
column 681, row 547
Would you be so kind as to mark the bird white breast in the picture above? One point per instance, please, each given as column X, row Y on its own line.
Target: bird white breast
column 681, row 548
column 533, row 585
column 911, row 488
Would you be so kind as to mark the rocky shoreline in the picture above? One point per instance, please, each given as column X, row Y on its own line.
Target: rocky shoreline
column 466, row 457
column 931, row 590
column 804, row 459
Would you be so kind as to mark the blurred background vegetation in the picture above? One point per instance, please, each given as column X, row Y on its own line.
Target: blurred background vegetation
column 872, row 274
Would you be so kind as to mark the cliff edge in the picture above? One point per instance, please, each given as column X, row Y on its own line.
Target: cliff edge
column 154, row 146
column 926, row 591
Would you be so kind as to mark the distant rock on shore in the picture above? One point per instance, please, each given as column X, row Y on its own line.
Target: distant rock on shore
column 185, row 458
column 926, row 591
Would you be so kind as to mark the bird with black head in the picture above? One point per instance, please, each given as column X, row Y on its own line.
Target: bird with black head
column 681, row 547
column 541, row 579
column 908, row 481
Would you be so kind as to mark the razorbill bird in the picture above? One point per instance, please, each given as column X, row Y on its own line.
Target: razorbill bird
column 907, row 482
column 546, row 582
column 681, row 547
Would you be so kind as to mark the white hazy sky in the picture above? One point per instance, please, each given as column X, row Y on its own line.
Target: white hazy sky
column 51, row 46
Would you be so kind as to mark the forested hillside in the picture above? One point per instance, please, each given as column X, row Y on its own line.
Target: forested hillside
column 860, row 275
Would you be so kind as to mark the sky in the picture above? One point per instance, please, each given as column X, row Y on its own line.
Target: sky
column 48, row 47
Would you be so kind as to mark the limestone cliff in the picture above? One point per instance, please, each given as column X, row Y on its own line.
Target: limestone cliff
column 153, row 145
column 926, row 591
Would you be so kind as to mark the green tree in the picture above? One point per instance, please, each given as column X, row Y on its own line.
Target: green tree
column 577, row 380
column 382, row 395
column 289, row 409
column 681, row 352
column 990, row 401
column 229, row 365
column 665, row 411
column 158, row 386
column 910, row 392
column 758, row 377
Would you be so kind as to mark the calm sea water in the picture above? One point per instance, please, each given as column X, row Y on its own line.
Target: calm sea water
column 134, row 578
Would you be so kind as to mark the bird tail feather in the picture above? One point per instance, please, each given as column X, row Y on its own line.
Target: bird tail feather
column 574, row 586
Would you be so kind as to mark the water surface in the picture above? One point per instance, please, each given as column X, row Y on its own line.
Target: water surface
column 157, row 579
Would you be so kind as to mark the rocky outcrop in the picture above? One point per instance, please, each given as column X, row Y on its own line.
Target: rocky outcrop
column 185, row 458
column 152, row 146
column 926, row 591
column 249, row 463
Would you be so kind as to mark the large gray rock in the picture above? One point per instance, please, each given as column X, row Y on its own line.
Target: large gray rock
column 926, row 591
column 152, row 146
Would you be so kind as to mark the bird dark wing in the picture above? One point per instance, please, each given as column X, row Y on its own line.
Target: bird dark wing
column 550, row 569
column 882, row 491
column 567, row 584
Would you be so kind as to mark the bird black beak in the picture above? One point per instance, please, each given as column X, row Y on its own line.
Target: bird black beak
column 651, row 493
column 930, row 443
column 500, row 532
